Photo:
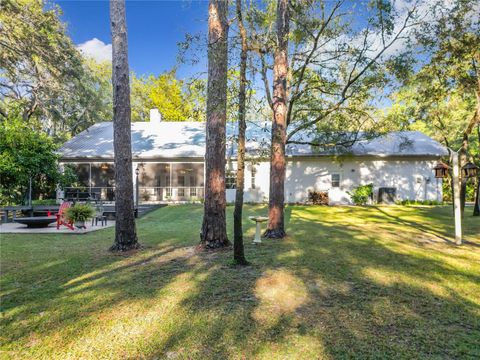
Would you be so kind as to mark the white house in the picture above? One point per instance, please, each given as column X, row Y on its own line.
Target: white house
column 170, row 160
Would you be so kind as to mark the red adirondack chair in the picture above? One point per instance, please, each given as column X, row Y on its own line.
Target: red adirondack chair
column 61, row 219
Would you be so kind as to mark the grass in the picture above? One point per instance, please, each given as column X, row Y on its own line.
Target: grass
column 364, row 282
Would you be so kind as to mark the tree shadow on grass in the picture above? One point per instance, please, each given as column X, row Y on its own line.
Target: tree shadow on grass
column 346, row 309
column 327, row 290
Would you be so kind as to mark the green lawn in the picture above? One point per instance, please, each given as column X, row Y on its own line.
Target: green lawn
column 373, row 282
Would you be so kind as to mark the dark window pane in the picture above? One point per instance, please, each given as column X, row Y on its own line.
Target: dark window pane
column 230, row 179
column 254, row 172
column 154, row 175
column 83, row 173
column 103, row 175
column 335, row 180
column 187, row 174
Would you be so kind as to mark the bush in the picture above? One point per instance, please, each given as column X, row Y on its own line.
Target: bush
column 44, row 202
column 79, row 212
column 361, row 194
column 318, row 197
column 26, row 154
column 419, row 202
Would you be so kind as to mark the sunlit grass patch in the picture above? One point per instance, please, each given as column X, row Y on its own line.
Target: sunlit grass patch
column 280, row 294
column 378, row 282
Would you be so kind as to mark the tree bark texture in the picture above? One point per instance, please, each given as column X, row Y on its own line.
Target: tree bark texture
column 238, row 248
column 463, row 151
column 276, row 227
column 476, row 207
column 214, row 229
column 125, row 231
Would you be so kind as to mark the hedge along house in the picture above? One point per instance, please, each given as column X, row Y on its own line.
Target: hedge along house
column 169, row 157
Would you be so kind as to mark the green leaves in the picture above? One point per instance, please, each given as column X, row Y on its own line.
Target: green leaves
column 80, row 212
column 176, row 99
column 440, row 96
column 24, row 154
column 361, row 194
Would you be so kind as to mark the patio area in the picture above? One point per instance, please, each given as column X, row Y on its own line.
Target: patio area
column 15, row 228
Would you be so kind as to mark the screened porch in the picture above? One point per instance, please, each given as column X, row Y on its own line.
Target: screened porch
column 154, row 182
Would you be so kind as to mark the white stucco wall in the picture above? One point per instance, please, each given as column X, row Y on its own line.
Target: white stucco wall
column 412, row 177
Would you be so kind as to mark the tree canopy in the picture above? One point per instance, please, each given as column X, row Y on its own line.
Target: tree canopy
column 176, row 99
column 442, row 96
column 27, row 154
column 60, row 92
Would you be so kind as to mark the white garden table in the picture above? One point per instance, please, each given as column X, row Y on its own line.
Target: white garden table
column 258, row 220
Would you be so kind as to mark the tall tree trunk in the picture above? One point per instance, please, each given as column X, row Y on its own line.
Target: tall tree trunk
column 463, row 151
column 463, row 180
column 476, row 122
column 476, row 207
column 214, row 228
column 125, row 231
column 276, row 228
column 238, row 249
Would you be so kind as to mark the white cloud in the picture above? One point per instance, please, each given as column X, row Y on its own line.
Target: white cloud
column 96, row 49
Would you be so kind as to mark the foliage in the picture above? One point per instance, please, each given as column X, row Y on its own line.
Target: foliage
column 361, row 194
column 44, row 202
column 42, row 73
column 338, row 67
column 175, row 99
column 419, row 202
column 383, row 273
column 440, row 96
column 447, row 190
column 47, row 82
column 79, row 212
column 24, row 154
column 318, row 197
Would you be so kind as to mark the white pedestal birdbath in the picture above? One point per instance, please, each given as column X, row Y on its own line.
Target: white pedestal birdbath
column 258, row 220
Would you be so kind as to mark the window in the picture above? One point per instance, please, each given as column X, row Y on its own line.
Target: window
column 181, row 180
column 335, row 180
column 83, row 173
column 230, row 179
column 153, row 175
column 254, row 172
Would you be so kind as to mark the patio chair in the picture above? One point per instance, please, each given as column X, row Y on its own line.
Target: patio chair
column 61, row 218
column 99, row 210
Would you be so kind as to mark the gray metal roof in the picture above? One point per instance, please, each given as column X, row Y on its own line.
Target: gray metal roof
column 187, row 140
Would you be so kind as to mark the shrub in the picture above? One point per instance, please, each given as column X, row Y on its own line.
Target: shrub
column 44, row 202
column 407, row 202
column 27, row 154
column 79, row 212
column 361, row 194
column 318, row 197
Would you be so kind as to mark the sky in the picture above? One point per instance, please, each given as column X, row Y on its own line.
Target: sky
column 154, row 29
